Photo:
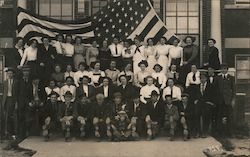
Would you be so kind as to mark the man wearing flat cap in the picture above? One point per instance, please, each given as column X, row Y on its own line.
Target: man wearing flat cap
column 9, row 102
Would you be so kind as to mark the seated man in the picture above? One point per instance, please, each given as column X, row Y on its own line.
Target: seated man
column 66, row 116
column 185, row 113
column 137, row 115
column 102, row 113
column 171, row 116
column 83, row 111
column 50, row 115
column 121, row 127
column 155, row 114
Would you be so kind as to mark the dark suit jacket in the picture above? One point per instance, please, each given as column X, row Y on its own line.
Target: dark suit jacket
column 64, row 111
column 84, row 110
column 157, row 113
column 110, row 91
column 227, row 89
column 127, row 92
column 213, row 58
column 45, row 56
column 102, row 111
column 14, row 90
column 188, row 111
column 91, row 92
column 140, row 112
column 207, row 94
column 50, row 110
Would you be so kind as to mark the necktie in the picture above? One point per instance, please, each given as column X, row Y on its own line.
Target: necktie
column 174, row 76
column 137, row 49
column 194, row 78
column 224, row 77
column 116, row 50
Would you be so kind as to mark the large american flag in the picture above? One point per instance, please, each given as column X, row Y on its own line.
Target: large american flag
column 123, row 18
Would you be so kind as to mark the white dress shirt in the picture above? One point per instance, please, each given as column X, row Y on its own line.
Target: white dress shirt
column 106, row 91
column 146, row 91
column 69, row 49
column 86, row 90
column 189, row 79
column 30, row 54
column 66, row 88
column 48, row 91
column 96, row 75
column 176, row 92
column 162, row 79
column 78, row 75
column 59, row 46
column 127, row 53
column 174, row 53
column 112, row 48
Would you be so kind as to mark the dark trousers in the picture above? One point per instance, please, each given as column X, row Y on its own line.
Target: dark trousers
column 10, row 117
column 202, row 118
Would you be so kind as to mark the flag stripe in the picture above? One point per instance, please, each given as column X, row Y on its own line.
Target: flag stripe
column 159, row 34
column 149, row 26
column 26, row 22
column 29, row 28
column 153, row 31
column 141, row 26
column 22, row 16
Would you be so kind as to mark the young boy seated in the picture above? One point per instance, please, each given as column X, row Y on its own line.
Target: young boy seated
column 50, row 115
column 171, row 116
column 102, row 113
column 66, row 115
column 121, row 127
column 83, row 111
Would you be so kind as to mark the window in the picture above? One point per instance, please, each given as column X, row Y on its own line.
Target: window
column 98, row 4
column 182, row 17
column 63, row 9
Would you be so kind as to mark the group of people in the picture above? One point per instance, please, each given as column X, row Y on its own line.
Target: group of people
column 120, row 92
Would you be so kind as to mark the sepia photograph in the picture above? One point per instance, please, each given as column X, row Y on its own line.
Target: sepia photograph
column 124, row 78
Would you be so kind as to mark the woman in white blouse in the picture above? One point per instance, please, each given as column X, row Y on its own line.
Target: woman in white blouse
column 68, row 49
column 150, row 53
column 30, row 56
column 139, row 54
column 92, row 53
column 159, row 76
column 142, row 74
column 175, row 54
column 52, row 88
column 82, row 71
column 162, row 50
column 96, row 74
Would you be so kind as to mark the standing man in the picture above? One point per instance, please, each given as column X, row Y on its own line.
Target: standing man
column 9, row 102
column 25, row 96
column 203, row 104
column 227, row 99
column 116, row 52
